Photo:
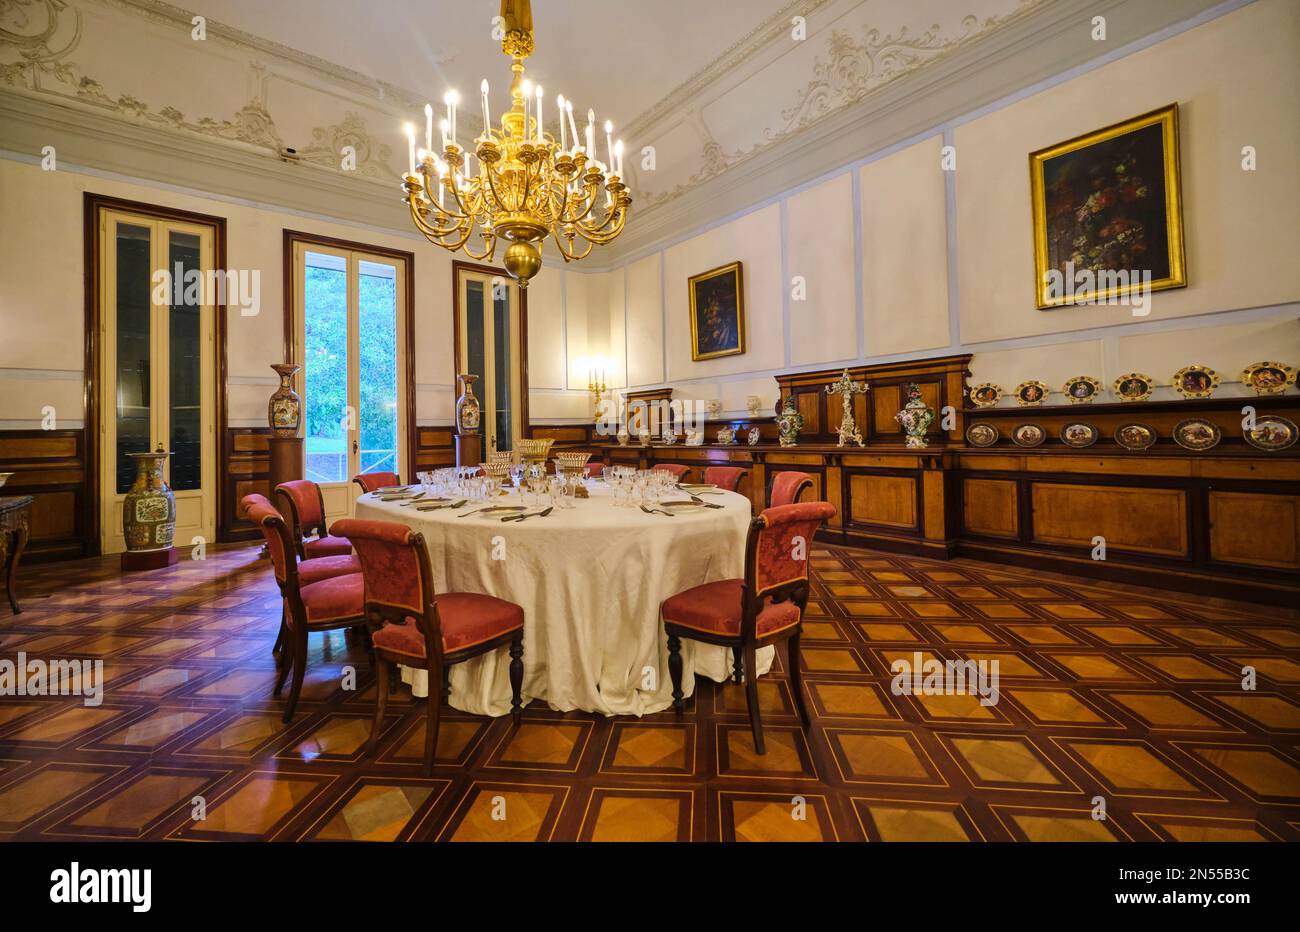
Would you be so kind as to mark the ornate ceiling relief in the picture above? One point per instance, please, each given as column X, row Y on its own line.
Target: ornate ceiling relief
column 31, row 30
column 847, row 71
column 328, row 142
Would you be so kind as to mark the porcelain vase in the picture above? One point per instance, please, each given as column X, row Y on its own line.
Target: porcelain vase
column 149, row 509
column 284, row 409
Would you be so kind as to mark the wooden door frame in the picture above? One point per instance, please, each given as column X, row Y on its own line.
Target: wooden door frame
column 292, row 237
column 93, row 204
column 525, row 426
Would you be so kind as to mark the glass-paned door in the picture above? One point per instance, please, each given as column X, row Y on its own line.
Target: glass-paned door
column 157, row 338
column 351, row 343
column 489, row 349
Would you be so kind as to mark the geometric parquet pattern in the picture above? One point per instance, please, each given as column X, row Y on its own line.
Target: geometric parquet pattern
column 1130, row 695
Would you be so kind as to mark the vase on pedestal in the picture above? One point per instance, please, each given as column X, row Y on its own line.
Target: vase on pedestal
column 915, row 418
column 149, row 509
column 284, row 409
column 468, row 411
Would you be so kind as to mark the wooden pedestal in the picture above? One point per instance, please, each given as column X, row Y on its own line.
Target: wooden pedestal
column 286, row 460
column 148, row 559
column 469, row 449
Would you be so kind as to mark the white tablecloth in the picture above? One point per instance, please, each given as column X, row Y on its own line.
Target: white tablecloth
column 591, row 580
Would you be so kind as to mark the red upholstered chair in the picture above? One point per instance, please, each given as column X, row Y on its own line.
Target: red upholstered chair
column 370, row 481
column 764, row 607
column 421, row 629
column 595, row 470
column 724, row 477
column 302, row 504
column 787, row 487
column 675, row 468
column 316, row 597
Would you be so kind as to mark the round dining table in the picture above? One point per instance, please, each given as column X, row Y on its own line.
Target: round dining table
column 591, row 580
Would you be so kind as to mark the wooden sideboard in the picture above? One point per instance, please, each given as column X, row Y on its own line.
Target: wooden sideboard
column 1223, row 522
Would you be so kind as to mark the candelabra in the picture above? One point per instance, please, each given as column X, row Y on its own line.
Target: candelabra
column 525, row 185
column 596, row 385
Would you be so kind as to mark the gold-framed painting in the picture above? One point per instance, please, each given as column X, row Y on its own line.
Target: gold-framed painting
column 1108, row 213
column 718, row 312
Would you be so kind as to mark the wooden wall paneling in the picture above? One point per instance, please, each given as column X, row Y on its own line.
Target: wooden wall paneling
column 892, row 499
column 1147, row 520
column 50, row 466
column 990, row 507
column 248, row 471
column 435, row 448
column 1254, row 528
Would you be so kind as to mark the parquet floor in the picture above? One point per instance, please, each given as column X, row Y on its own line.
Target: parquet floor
column 1129, row 696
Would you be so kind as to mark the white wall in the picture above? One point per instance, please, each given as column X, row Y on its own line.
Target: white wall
column 923, row 262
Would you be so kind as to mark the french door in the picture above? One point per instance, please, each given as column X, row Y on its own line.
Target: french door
column 352, row 346
column 488, row 309
column 157, row 359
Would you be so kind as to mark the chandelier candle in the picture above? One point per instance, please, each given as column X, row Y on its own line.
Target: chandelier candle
column 526, row 186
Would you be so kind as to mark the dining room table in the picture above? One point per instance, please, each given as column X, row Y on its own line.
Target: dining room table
column 590, row 575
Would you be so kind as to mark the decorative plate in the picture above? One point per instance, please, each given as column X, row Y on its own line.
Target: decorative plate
column 1195, row 381
column 1028, row 435
column 1197, row 434
column 1268, row 378
column 1271, row 433
column 982, row 435
column 669, row 437
column 986, row 395
column 1134, row 436
column 1079, row 434
column 1031, row 393
column 753, row 437
column 1082, row 389
column 1133, row 387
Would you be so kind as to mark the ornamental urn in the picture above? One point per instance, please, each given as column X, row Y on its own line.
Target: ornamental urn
column 149, row 509
column 915, row 417
column 468, row 411
column 789, row 422
column 284, row 408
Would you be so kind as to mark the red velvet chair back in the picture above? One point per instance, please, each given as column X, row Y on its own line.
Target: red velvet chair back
column 778, row 557
column 283, row 556
column 786, row 487
column 369, row 481
column 398, row 575
column 304, row 505
column 724, row 477
column 595, row 470
column 677, row 470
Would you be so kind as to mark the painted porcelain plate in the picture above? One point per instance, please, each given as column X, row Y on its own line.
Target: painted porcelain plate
column 1028, row 435
column 986, row 395
column 1082, row 389
column 1197, row 434
column 1079, row 434
column 1268, row 378
column 1135, row 436
column 1195, row 381
column 1133, row 386
column 982, row 435
column 1031, row 393
column 1271, row 433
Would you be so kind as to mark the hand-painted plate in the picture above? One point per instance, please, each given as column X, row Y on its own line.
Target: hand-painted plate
column 1082, row 389
column 1268, row 378
column 1135, row 436
column 982, row 435
column 1197, row 434
column 1078, row 434
column 1195, row 381
column 1271, row 433
column 1031, row 393
column 1133, row 386
column 986, row 395
column 1028, row 435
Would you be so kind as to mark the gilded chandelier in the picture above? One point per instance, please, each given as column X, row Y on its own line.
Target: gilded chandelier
column 517, row 183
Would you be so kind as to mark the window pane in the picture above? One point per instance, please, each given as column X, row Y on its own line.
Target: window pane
column 476, row 363
column 377, row 309
column 325, row 367
column 501, row 332
column 134, row 336
column 185, row 362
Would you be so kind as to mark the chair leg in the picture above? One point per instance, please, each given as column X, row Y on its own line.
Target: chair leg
column 284, row 662
column 381, row 701
column 431, row 727
column 299, row 669
column 516, row 676
column 751, row 696
column 675, row 671
column 735, row 665
column 796, row 678
column 279, row 638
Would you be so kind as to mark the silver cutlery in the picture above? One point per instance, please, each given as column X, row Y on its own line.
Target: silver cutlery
column 704, row 503
column 492, row 508
column 428, row 507
column 656, row 511
column 535, row 514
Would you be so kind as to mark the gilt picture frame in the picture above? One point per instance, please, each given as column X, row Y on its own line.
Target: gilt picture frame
column 718, row 312
column 1107, row 213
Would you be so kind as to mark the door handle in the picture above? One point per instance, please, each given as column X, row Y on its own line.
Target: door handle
column 354, row 446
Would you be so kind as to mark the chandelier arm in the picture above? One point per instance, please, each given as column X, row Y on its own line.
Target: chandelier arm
column 568, row 253
column 430, row 230
column 491, row 241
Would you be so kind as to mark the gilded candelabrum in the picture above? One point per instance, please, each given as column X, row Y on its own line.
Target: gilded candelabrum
column 517, row 182
column 596, row 385
column 846, row 388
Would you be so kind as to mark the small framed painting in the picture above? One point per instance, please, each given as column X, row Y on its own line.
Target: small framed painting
column 1108, row 215
column 718, row 312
